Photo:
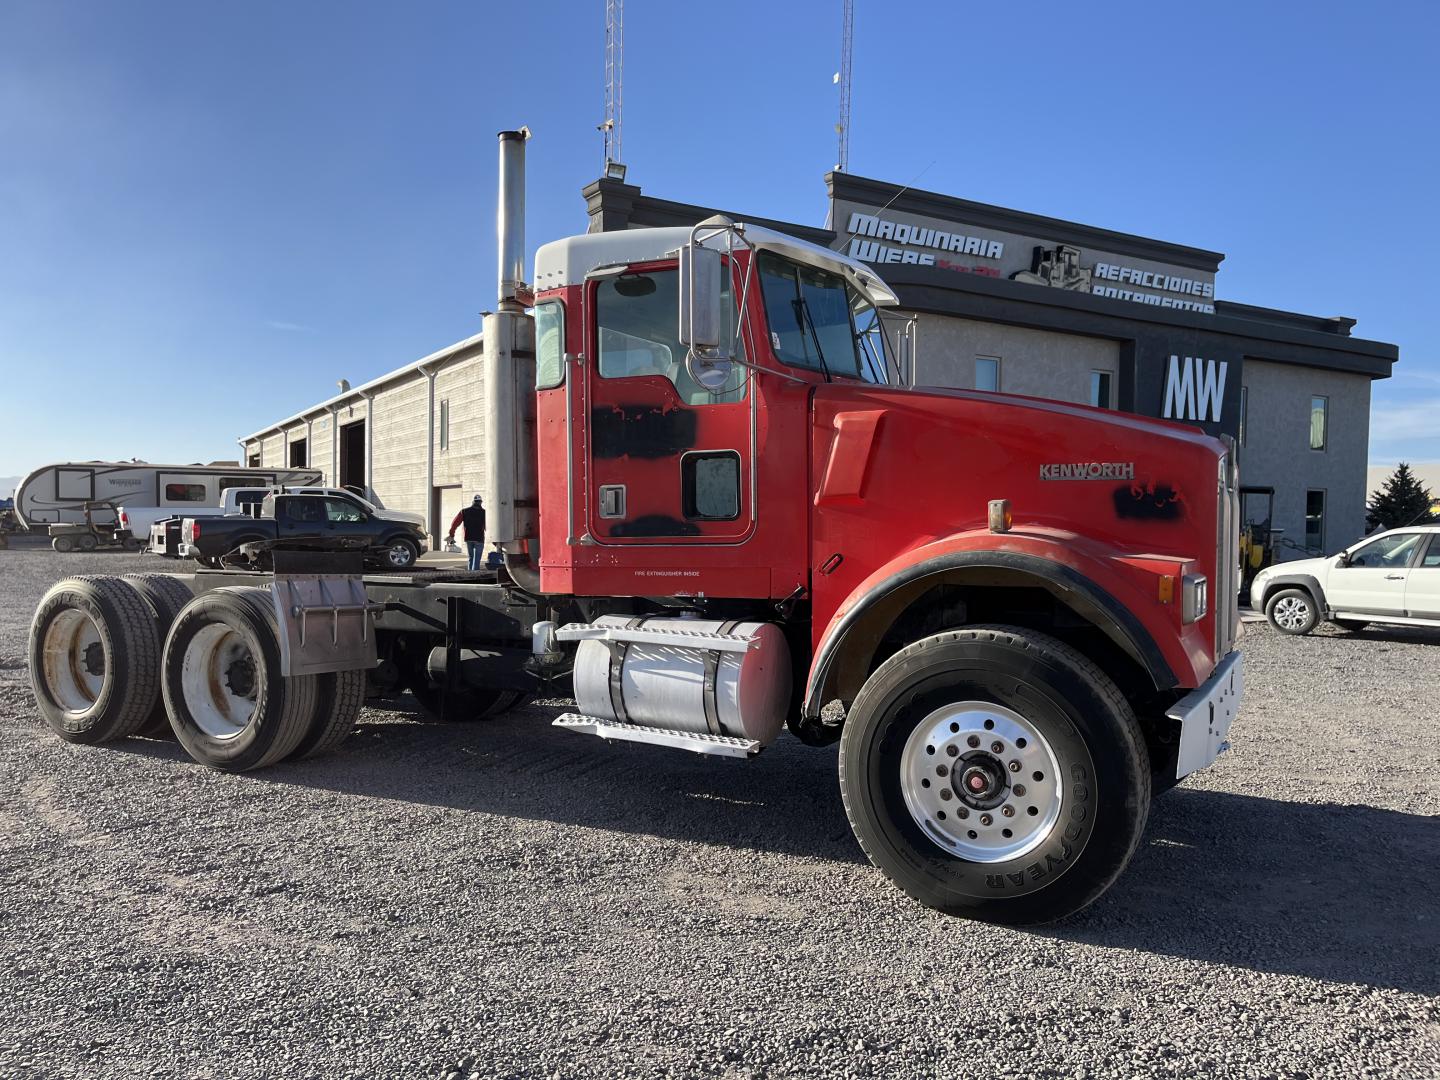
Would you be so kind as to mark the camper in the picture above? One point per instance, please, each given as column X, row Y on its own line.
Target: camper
column 57, row 494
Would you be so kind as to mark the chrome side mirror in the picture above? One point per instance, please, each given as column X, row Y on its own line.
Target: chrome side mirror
column 702, row 326
column 700, row 308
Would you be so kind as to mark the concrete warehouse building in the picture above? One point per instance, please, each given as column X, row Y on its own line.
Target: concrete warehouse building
column 991, row 299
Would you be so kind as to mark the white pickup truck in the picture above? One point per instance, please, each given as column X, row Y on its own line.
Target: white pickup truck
column 166, row 537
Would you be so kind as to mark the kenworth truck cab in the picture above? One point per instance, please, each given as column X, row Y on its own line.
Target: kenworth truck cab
column 721, row 517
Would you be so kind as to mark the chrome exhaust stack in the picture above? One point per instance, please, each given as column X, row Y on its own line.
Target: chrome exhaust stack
column 511, row 481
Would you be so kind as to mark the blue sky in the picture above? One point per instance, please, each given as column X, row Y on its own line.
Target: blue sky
column 211, row 212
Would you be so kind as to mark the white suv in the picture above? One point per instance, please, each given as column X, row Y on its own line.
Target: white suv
column 1391, row 577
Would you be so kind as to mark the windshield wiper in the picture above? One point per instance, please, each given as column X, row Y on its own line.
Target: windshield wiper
column 803, row 308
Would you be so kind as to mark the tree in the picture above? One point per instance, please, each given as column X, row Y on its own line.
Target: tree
column 1402, row 500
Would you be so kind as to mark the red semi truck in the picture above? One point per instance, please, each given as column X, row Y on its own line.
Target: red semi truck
column 720, row 518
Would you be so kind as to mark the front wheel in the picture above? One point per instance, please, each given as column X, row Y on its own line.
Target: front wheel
column 997, row 773
column 400, row 554
column 1292, row 611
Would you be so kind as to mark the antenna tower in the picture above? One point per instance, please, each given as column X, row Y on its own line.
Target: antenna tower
column 614, row 79
column 847, row 46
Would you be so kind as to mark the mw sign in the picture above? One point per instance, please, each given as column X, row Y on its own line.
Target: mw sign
column 1194, row 389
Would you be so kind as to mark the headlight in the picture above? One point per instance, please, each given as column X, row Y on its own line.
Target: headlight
column 1194, row 598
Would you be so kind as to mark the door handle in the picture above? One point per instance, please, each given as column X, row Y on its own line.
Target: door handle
column 1394, row 577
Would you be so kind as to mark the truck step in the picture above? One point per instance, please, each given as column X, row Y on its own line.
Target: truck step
column 719, row 745
column 645, row 635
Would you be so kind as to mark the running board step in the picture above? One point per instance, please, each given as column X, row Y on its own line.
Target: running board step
column 645, row 635
column 719, row 745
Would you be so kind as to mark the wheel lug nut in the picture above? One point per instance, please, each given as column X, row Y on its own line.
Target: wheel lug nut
column 986, row 819
column 997, row 747
column 1007, row 810
column 945, row 794
column 962, row 813
column 941, row 770
column 973, row 741
column 1019, row 789
column 952, row 750
column 1014, row 766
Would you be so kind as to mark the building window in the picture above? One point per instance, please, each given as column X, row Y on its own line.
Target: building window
column 444, row 423
column 254, row 461
column 1315, row 520
column 1100, row 389
column 1244, row 411
column 1319, row 421
column 299, row 453
column 987, row 373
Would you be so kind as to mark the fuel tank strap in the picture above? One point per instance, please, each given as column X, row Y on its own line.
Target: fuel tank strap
column 712, row 671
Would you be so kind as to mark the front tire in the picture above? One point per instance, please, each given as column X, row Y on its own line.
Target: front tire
column 63, row 544
column 1292, row 611
column 400, row 554
column 996, row 773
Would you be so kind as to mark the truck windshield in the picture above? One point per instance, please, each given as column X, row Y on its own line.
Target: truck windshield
column 818, row 322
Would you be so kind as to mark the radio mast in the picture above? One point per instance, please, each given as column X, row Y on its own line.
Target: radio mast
column 842, row 77
column 614, row 86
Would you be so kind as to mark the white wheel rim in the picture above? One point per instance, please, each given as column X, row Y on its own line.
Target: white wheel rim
column 1291, row 612
column 74, row 661
column 219, row 679
column 960, row 747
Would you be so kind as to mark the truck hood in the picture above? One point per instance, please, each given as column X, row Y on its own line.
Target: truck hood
column 400, row 516
column 933, row 458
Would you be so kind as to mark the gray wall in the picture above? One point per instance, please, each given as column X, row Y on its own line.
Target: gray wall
column 1035, row 362
column 1277, row 453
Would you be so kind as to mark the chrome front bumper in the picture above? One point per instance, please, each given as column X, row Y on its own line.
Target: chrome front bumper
column 1205, row 715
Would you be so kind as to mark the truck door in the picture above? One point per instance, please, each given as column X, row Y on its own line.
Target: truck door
column 667, row 462
column 1373, row 579
column 1422, row 587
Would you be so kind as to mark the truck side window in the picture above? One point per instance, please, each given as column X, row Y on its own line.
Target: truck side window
column 636, row 315
column 341, row 510
column 549, row 344
column 710, row 483
column 303, row 509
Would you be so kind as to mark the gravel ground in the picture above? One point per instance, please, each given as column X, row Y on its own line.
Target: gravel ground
column 506, row 899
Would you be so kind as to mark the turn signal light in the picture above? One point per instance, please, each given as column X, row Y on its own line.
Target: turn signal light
column 1000, row 517
column 1167, row 588
column 195, row 531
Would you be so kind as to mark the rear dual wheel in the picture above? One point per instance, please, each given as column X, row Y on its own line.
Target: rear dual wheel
column 94, row 657
column 229, row 703
column 996, row 773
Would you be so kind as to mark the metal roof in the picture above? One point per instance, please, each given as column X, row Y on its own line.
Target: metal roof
column 357, row 392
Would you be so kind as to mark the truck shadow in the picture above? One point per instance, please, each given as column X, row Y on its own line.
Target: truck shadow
column 1326, row 891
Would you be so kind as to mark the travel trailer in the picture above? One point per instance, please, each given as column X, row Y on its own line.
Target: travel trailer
column 57, row 494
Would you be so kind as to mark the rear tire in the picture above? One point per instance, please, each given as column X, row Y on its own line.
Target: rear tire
column 230, row 706
column 468, row 703
column 63, row 544
column 94, row 655
column 1292, row 611
column 86, row 542
column 338, row 698
column 1027, row 833
column 167, row 597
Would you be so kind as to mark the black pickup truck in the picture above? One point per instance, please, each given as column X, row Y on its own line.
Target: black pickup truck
column 311, row 522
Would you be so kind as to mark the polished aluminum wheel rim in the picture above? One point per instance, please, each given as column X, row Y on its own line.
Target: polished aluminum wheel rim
column 1291, row 612
column 399, row 555
column 73, row 660
column 981, row 781
column 219, row 680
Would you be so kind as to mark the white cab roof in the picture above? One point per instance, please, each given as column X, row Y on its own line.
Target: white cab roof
column 567, row 262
